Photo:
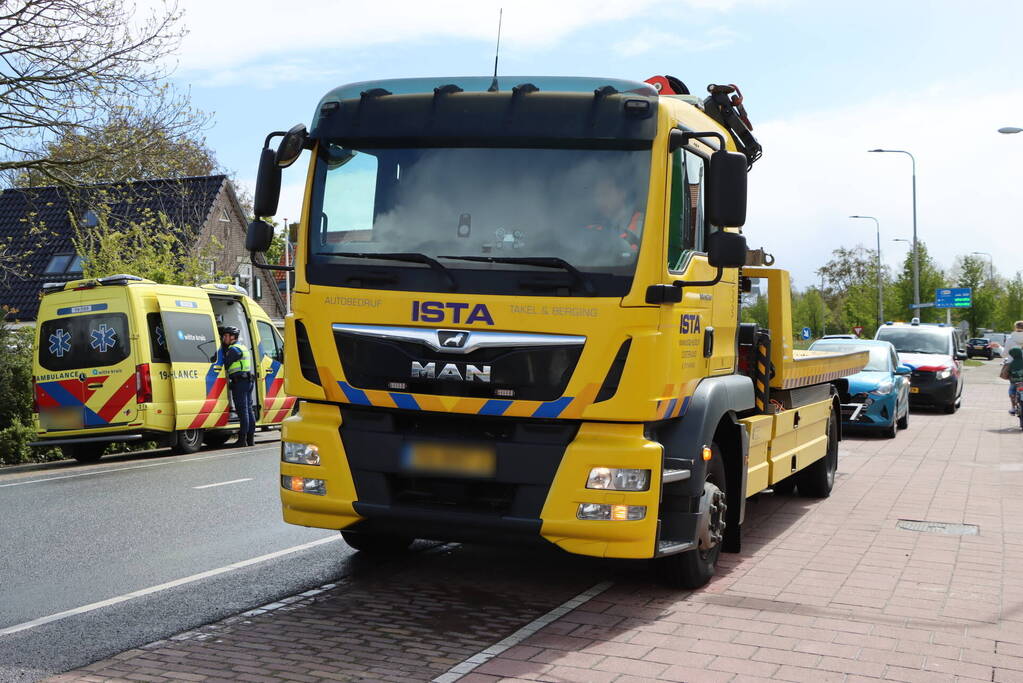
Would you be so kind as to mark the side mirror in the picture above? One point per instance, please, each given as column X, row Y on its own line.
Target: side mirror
column 291, row 146
column 268, row 184
column 726, row 249
column 726, row 189
column 961, row 355
column 259, row 236
column 903, row 370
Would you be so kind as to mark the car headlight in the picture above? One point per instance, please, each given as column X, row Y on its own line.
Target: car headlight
column 944, row 373
column 884, row 388
column 612, row 479
column 300, row 453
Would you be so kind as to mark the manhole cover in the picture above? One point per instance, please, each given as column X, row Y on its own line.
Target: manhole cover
column 947, row 528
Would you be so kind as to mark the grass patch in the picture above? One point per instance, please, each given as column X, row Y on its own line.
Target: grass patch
column 973, row 363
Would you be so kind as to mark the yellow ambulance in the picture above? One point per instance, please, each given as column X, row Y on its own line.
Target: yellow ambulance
column 121, row 359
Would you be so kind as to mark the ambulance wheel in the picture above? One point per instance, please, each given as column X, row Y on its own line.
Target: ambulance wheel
column 376, row 544
column 694, row 568
column 188, row 441
column 216, row 439
column 85, row 452
column 817, row 480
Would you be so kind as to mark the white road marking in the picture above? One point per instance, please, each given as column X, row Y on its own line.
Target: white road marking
column 223, row 483
column 168, row 461
column 163, row 586
column 482, row 657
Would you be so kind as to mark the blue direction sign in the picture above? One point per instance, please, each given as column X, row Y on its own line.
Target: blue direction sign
column 953, row 297
column 806, row 333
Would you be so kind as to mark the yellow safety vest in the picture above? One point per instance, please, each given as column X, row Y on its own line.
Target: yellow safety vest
column 243, row 364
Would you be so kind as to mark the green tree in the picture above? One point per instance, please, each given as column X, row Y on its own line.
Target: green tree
column 850, row 288
column 1009, row 308
column 974, row 272
column 931, row 279
column 16, row 423
column 152, row 248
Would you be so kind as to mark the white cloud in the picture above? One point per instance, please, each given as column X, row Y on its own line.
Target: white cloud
column 662, row 41
column 816, row 171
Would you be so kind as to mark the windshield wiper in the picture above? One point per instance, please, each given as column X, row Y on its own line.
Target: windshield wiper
column 540, row 262
column 406, row 256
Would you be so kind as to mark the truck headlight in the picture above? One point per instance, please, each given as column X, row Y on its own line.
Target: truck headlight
column 944, row 373
column 300, row 453
column 884, row 388
column 614, row 479
column 617, row 513
column 302, row 485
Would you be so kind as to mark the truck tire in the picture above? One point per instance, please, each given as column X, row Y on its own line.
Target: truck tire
column 694, row 568
column 187, row 441
column 376, row 544
column 817, row 480
column 84, row 453
column 216, row 439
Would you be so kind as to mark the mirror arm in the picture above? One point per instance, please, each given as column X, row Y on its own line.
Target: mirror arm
column 268, row 266
column 700, row 283
column 271, row 136
column 687, row 135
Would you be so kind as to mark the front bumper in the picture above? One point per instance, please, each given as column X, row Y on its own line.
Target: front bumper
column 925, row 390
column 533, row 494
column 868, row 410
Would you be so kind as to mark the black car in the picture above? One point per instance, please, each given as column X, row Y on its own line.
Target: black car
column 979, row 347
column 936, row 354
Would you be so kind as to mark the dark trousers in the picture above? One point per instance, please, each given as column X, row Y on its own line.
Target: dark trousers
column 241, row 394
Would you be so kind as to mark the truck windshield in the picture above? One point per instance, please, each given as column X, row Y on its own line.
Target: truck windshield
column 582, row 206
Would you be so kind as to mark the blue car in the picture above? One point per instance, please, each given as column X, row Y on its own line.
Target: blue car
column 879, row 394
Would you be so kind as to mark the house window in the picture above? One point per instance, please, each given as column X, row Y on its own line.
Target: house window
column 75, row 267
column 89, row 219
column 58, row 264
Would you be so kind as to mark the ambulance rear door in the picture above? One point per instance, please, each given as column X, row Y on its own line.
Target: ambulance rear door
column 87, row 361
column 196, row 369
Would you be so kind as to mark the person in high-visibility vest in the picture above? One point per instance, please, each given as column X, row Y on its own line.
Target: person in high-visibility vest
column 238, row 364
column 617, row 217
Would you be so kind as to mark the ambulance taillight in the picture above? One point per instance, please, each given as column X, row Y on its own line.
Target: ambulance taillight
column 143, row 384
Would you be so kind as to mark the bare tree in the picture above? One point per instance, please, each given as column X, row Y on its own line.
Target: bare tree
column 74, row 68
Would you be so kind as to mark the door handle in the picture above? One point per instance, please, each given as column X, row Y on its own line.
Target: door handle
column 708, row 342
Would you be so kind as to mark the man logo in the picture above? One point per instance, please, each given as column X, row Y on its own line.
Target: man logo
column 452, row 339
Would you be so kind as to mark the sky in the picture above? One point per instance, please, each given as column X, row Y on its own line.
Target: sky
column 823, row 83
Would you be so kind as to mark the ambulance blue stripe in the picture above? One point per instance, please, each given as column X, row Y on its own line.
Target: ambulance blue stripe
column 405, row 401
column 60, row 394
column 494, row 406
column 552, row 408
column 355, row 395
column 91, row 419
column 211, row 377
column 272, row 375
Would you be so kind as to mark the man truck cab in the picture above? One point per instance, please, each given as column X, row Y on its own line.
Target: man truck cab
column 121, row 359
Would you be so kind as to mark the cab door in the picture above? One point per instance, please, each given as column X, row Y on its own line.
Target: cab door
column 196, row 373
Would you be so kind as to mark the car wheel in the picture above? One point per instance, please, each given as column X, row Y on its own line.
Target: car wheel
column 694, row 568
column 951, row 407
column 904, row 420
column 188, row 441
column 891, row 430
column 85, row 453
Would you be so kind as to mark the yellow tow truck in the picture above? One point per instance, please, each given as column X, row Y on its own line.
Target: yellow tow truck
column 516, row 317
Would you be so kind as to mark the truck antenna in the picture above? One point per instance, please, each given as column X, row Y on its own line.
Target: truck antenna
column 493, row 84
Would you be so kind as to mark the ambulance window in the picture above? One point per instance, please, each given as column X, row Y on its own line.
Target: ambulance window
column 270, row 343
column 157, row 339
column 84, row 341
column 685, row 224
column 190, row 337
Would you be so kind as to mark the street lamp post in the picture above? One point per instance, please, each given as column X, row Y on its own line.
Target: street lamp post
column 991, row 266
column 916, row 250
column 880, row 295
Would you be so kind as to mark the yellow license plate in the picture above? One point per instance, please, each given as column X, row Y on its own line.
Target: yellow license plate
column 61, row 418
column 450, row 459
column 914, row 390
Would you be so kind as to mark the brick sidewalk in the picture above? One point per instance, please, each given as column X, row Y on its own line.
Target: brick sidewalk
column 823, row 591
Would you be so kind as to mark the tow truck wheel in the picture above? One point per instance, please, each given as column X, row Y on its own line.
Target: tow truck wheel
column 188, row 441
column 376, row 544
column 817, row 480
column 694, row 568
column 85, row 452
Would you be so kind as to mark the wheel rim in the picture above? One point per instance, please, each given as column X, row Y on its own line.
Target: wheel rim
column 190, row 436
column 711, row 529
